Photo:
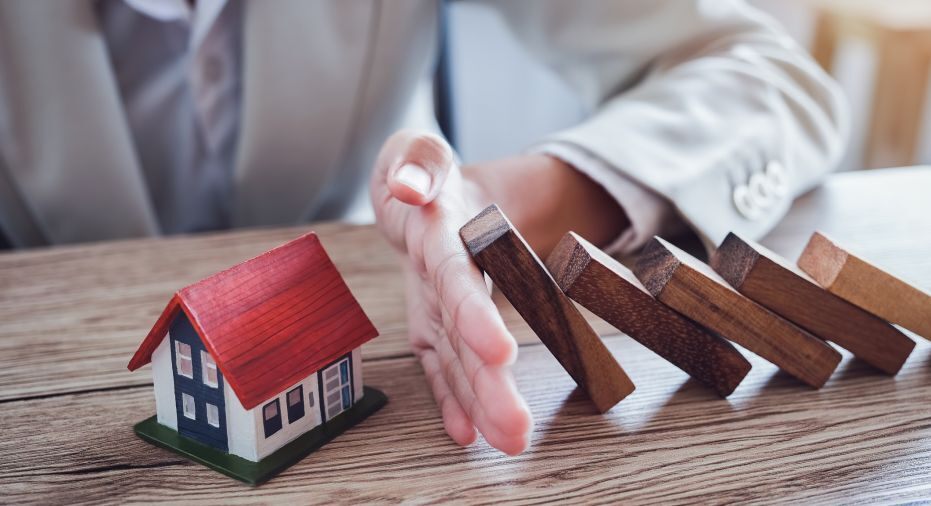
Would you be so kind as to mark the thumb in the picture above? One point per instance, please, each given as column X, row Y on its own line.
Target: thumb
column 416, row 166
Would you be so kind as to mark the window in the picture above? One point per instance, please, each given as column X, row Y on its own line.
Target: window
column 213, row 415
column 209, row 369
column 187, row 406
column 295, row 404
column 183, row 359
column 337, row 394
column 271, row 416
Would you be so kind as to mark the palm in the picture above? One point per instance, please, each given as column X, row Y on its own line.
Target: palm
column 454, row 327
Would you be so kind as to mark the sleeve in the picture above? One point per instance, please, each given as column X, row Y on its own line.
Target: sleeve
column 705, row 103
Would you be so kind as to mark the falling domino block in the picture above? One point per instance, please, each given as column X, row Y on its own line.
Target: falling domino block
column 781, row 287
column 866, row 286
column 692, row 288
column 503, row 254
column 605, row 287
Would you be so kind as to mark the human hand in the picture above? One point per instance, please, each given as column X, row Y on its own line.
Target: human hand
column 421, row 199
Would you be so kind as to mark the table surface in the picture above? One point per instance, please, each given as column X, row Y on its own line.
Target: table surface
column 71, row 317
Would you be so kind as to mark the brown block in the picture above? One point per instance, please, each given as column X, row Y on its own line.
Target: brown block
column 691, row 287
column 503, row 254
column 611, row 291
column 866, row 286
column 780, row 286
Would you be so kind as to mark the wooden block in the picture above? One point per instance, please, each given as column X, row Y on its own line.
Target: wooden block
column 781, row 287
column 501, row 252
column 605, row 287
column 691, row 287
column 866, row 285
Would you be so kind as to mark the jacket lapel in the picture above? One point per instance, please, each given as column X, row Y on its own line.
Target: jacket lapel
column 71, row 155
column 302, row 72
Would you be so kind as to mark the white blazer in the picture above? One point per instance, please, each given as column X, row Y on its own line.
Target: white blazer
column 705, row 102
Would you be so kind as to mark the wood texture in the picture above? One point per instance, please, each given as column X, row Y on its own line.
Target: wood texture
column 70, row 316
column 502, row 253
column 608, row 289
column 770, row 280
column 689, row 286
column 865, row 285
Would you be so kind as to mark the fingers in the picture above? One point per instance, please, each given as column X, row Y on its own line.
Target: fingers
column 490, row 397
column 456, row 422
column 512, row 444
column 413, row 166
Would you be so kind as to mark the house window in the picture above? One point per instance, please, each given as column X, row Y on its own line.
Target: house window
column 213, row 415
column 209, row 369
column 183, row 359
column 295, row 404
column 337, row 394
column 187, row 406
column 271, row 416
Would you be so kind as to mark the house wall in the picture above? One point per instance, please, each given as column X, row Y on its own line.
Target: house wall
column 163, row 381
column 289, row 431
column 240, row 427
column 357, row 374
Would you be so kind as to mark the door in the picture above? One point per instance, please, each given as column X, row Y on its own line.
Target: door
column 336, row 387
column 198, row 387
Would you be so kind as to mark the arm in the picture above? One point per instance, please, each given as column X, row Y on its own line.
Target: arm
column 692, row 100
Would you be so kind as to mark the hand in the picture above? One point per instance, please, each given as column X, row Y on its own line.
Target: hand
column 421, row 200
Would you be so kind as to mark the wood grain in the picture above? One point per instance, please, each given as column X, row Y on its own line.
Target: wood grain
column 70, row 317
column 835, row 445
column 773, row 282
column 502, row 253
column 611, row 291
column 865, row 285
column 689, row 286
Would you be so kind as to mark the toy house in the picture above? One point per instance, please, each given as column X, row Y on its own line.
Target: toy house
column 257, row 366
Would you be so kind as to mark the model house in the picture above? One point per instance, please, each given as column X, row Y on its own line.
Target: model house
column 250, row 359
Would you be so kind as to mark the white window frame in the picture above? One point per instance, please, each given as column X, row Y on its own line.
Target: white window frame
column 339, row 387
column 207, row 363
column 186, row 401
column 213, row 421
column 181, row 358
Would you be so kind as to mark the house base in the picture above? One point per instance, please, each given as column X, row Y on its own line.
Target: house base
column 255, row 473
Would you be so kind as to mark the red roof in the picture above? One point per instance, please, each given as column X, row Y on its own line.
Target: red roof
column 271, row 321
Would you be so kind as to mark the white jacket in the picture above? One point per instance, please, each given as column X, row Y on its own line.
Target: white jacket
column 706, row 102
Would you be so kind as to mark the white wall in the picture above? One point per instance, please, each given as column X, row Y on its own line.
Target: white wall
column 240, row 427
column 357, row 373
column 288, row 432
column 164, row 385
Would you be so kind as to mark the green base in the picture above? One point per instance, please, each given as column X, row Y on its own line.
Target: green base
column 255, row 473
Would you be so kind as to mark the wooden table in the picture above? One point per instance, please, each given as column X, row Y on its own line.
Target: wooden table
column 71, row 317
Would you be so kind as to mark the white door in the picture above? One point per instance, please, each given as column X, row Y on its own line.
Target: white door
column 337, row 388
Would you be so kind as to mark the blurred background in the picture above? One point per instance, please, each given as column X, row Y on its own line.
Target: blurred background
column 879, row 50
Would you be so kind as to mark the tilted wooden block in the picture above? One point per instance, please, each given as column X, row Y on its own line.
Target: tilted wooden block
column 605, row 287
column 501, row 252
column 691, row 287
column 865, row 285
column 781, row 287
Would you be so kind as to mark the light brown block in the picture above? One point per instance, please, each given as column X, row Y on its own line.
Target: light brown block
column 783, row 288
column 611, row 291
column 692, row 288
column 866, row 285
column 503, row 254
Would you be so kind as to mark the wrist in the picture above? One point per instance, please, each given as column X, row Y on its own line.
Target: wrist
column 545, row 198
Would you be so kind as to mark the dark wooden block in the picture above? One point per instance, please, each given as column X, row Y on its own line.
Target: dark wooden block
column 501, row 252
column 692, row 288
column 867, row 286
column 780, row 286
column 605, row 287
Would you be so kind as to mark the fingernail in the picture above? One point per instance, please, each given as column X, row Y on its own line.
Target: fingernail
column 414, row 177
